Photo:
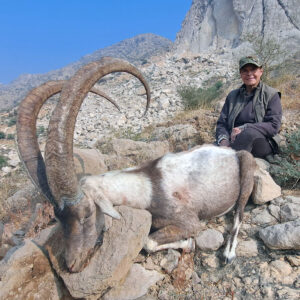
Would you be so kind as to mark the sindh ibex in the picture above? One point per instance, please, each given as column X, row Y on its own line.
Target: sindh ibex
column 177, row 189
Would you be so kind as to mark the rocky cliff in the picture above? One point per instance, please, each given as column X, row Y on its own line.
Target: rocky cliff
column 212, row 25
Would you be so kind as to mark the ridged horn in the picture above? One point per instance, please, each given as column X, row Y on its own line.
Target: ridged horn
column 59, row 147
column 102, row 94
column 27, row 144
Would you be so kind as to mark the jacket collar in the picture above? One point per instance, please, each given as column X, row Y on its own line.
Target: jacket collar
column 243, row 88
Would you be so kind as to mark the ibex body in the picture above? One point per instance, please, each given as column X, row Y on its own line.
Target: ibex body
column 179, row 190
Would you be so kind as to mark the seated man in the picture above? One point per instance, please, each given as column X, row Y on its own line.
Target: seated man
column 251, row 116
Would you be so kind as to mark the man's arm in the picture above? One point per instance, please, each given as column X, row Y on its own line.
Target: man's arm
column 222, row 132
column 272, row 120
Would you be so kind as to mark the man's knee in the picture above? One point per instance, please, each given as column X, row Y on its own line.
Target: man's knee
column 250, row 134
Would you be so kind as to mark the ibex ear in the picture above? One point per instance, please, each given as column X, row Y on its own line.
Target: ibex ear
column 107, row 208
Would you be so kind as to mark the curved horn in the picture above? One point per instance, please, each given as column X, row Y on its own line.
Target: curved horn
column 102, row 94
column 27, row 145
column 59, row 147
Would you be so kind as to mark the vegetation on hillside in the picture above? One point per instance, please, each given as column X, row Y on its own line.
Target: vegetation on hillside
column 193, row 97
column 286, row 170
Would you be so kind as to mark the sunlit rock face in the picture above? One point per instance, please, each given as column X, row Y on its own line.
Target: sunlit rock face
column 217, row 24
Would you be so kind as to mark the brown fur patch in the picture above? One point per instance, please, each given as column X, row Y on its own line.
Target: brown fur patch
column 182, row 196
column 184, row 270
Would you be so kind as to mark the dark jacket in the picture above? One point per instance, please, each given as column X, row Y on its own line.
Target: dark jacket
column 266, row 107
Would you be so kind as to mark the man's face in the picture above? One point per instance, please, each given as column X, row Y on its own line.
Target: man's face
column 251, row 75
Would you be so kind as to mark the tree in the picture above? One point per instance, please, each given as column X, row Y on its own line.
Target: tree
column 268, row 50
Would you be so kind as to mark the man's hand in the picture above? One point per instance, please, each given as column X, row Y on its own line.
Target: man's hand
column 224, row 143
column 234, row 133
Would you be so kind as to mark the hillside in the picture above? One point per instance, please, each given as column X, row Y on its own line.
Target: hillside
column 137, row 50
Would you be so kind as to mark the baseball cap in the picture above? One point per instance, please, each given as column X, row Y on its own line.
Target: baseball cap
column 249, row 60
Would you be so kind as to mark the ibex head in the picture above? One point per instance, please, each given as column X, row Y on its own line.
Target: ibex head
column 56, row 178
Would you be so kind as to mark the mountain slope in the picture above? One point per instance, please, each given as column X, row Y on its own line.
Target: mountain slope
column 136, row 50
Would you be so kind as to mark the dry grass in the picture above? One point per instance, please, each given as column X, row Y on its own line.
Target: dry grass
column 289, row 86
column 8, row 186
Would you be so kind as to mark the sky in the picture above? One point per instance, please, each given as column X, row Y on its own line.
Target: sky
column 37, row 36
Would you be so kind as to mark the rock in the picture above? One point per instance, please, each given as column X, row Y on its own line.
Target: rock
column 4, row 248
column 209, row 239
column 176, row 133
column 217, row 25
column 170, row 261
column 21, row 199
column 211, row 261
column 274, row 211
column 247, row 248
column 14, row 162
column 294, row 260
column 136, row 284
column 122, row 153
column 282, row 236
column 126, row 147
column 165, row 294
column 262, row 164
column 6, row 170
column 111, row 263
column 264, row 218
column 287, row 293
column 195, row 278
column 290, row 212
column 1, row 231
column 293, row 199
column 164, row 103
column 281, row 267
column 151, row 265
column 265, row 189
column 88, row 162
column 27, row 274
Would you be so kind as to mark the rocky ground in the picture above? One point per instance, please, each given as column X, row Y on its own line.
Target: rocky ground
column 258, row 272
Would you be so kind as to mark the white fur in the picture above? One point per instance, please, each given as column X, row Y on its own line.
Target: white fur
column 152, row 246
column 122, row 187
column 209, row 165
column 229, row 252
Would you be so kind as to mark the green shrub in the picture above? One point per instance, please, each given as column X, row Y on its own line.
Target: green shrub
column 193, row 97
column 2, row 135
column 10, row 136
column 40, row 130
column 286, row 172
column 3, row 161
column 12, row 122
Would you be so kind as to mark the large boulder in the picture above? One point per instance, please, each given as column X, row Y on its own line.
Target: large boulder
column 178, row 135
column 88, row 162
column 26, row 273
column 20, row 200
column 220, row 25
column 111, row 263
column 136, row 284
column 290, row 211
column 282, row 236
column 265, row 189
column 122, row 153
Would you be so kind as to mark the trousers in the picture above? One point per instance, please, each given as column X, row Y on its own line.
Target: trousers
column 251, row 140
